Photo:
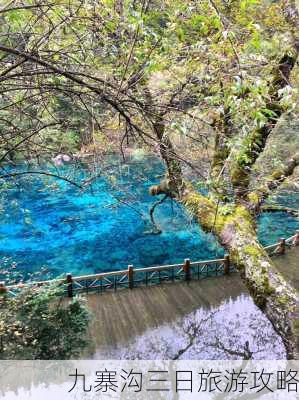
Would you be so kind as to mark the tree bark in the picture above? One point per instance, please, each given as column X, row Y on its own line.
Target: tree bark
column 234, row 223
column 236, row 231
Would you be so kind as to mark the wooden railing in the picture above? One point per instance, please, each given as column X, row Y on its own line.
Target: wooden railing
column 136, row 277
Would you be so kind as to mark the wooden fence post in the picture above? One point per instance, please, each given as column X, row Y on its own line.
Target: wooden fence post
column 296, row 239
column 131, row 276
column 186, row 268
column 69, row 280
column 3, row 288
column 282, row 246
column 226, row 264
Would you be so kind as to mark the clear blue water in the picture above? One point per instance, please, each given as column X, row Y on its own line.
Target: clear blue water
column 49, row 227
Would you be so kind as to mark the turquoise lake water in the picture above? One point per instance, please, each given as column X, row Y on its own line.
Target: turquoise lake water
column 49, row 227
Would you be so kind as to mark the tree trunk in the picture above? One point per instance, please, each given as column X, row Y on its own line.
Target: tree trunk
column 236, row 231
column 173, row 184
column 268, row 288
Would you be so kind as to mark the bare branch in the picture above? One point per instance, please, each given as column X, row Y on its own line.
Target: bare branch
column 16, row 174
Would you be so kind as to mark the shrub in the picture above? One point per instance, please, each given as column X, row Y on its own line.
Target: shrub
column 42, row 324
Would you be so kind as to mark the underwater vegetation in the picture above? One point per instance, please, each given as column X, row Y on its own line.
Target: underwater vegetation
column 49, row 227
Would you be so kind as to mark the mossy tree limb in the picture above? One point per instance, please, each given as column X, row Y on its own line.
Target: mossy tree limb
column 236, row 231
column 234, row 223
column 256, row 197
column 235, row 228
column 224, row 131
column 254, row 143
column 174, row 172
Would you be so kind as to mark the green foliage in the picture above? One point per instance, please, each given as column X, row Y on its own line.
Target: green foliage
column 224, row 50
column 40, row 324
column 226, row 209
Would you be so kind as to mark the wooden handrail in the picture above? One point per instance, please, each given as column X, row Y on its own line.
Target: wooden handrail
column 207, row 262
column 124, row 272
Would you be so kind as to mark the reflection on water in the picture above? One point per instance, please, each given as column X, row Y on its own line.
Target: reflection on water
column 236, row 329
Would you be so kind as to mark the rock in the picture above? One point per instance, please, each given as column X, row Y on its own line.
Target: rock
column 61, row 159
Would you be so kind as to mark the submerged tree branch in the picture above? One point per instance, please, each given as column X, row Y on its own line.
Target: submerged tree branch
column 152, row 210
column 277, row 208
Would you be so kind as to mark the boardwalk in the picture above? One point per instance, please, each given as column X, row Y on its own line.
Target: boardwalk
column 120, row 317
column 288, row 265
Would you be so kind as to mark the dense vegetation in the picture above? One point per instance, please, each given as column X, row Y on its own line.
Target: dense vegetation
column 203, row 84
column 40, row 324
